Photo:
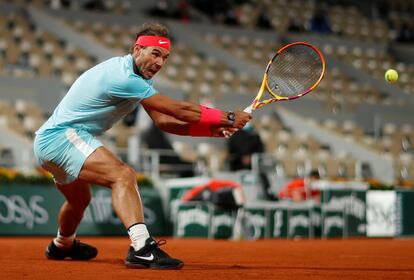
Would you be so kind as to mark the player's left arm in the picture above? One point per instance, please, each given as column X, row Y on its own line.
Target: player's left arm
column 172, row 125
column 189, row 112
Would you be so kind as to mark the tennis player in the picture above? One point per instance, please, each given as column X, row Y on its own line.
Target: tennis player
column 66, row 145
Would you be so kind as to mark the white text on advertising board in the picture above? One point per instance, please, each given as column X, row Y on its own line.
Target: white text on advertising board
column 17, row 210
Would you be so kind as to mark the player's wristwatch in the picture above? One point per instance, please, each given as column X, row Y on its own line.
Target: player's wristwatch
column 231, row 117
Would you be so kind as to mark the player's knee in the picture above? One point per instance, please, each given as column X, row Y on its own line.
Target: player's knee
column 127, row 176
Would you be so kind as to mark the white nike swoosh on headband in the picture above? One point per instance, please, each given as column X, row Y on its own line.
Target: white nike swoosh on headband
column 162, row 42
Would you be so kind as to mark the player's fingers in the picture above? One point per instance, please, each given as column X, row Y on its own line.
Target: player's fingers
column 228, row 133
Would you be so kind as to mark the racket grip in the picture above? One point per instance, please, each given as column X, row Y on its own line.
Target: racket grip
column 249, row 110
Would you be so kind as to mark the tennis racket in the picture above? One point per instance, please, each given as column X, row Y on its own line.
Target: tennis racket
column 295, row 70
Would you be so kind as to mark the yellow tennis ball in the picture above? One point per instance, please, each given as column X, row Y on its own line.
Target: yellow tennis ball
column 391, row 76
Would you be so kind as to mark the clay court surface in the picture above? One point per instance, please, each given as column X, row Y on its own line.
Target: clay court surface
column 22, row 258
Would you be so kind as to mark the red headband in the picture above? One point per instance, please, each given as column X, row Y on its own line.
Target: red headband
column 154, row 41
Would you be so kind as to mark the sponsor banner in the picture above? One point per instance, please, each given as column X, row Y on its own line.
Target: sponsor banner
column 175, row 190
column 405, row 213
column 354, row 204
column 278, row 222
column 300, row 223
column 29, row 210
column 316, row 221
column 255, row 223
column 203, row 219
column 33, row 209
column 175, row 194
column 333, row 222
column 355, row 216
column 222, row 223
column 193, row 219
column 281, row 221
column 381, row 213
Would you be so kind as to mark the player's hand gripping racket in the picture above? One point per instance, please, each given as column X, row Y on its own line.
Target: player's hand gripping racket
column 295, row 70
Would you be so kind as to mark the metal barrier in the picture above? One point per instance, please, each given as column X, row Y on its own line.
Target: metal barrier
column 150, row 162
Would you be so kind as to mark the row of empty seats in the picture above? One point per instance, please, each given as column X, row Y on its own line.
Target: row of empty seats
column 104, row 6
column 294, row 152
column 6, row 157
column 374, row 62
column 26, row 50
column 398, row 13
column 401, row 140
column 23, row 117
column 341, row 18
column 392, row 141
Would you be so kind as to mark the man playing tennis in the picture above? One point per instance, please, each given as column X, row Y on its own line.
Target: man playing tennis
column 66, row 145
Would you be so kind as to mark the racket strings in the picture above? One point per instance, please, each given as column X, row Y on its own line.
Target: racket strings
column 294, row 71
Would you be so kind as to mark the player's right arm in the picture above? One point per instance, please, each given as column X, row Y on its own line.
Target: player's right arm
column 188, row 112
column 172, row 125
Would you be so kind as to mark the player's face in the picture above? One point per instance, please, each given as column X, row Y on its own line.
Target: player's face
column 150, row 60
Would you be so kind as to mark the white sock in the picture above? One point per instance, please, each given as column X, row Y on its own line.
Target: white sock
column 138, row 234
column 64, row 242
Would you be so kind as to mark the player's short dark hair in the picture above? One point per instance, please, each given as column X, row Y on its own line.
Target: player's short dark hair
column 152, row 28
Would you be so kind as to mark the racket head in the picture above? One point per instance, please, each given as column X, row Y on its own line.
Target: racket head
column 295, row 70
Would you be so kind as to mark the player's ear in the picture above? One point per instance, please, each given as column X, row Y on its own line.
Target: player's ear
column 137, row 48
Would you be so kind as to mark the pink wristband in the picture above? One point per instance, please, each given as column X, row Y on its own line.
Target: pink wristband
column 199, row 130
column 210, row 116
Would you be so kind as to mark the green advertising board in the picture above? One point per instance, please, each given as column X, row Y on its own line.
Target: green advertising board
column 176, row 188
column 278, row 222
column 255, row 223
column 222, row 223
column 316, row 220
column 29, row 209
column 33, row 210
column 405, row 213
column 354, row 204
column 203, row 219
column 333, row 221
column 193, row 219
column 300, row 222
